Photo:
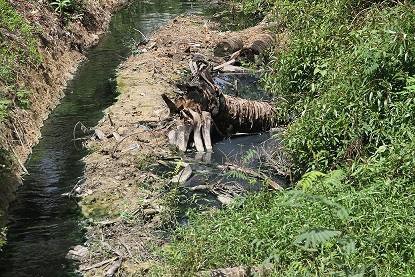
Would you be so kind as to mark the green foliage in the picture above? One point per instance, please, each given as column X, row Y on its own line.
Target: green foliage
column 64, row 7
column 23, row 98
column 346, row 83
column 18, row 49
column 236, row 14
column 145, row 162
column 4, row 106
column 342, row 78
column 255, row 7
column 336, row 228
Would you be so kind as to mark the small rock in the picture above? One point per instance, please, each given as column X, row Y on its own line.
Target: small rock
column 99, row 134
column 143, row 127
column 150, row 212
column 116, row 136
column 225, row 200
column 78, row 253
column 134, row 146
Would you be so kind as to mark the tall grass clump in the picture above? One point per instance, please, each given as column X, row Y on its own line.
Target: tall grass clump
column 345, row 86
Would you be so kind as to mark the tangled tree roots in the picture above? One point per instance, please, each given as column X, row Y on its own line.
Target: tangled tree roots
column 202, row 105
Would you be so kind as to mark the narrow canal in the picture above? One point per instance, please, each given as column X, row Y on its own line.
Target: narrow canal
column 43, row 224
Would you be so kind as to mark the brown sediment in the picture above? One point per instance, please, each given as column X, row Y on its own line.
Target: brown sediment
column 119, row 188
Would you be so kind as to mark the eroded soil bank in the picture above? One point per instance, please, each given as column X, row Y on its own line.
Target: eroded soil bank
column 62, row 46
column 127, row 193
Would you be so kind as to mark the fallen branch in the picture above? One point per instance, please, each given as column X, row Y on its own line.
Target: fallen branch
column 259, row 175
column 145, row 39
column 97, row 265
column 18, row 160
column 114, row 268
column 230, row 62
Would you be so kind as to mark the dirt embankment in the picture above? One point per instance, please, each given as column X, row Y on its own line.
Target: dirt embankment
column 124, row 196
column 62, row 46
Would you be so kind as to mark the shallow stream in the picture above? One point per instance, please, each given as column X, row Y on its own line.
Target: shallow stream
column 43, row 224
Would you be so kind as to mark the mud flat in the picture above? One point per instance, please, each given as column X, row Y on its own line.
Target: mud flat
column 125, row 194
column 123, row 198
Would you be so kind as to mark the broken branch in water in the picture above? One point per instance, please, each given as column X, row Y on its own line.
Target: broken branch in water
column 145, row 39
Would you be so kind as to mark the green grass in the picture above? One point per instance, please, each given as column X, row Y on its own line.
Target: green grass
column 346, row 87
column 18, row 50
column 333, row 228
column 356, row 220
column 340, row 84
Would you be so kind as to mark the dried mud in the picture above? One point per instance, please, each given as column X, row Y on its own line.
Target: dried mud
column 122, row 198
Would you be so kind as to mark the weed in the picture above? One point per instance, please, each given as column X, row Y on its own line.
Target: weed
column 144, row 162
column 67, row 8
column 3, row 237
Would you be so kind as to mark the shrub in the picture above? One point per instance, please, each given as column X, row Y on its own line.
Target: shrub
column 64, row 7
column 339, row 81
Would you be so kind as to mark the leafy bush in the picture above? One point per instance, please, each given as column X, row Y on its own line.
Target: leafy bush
column 340, row 83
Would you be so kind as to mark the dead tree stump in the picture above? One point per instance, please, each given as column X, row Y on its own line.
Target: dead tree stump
column 203, row 106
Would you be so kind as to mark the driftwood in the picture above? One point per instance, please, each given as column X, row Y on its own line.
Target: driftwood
column 114, row 268
column 203, row 106
column 245, row 47
column 228, row 46
column 97, row 265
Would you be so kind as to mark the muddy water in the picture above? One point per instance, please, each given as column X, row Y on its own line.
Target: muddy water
column 43, row 224
column 247, row 151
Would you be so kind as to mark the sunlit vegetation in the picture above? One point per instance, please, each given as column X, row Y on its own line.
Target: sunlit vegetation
column 345, row 86
column 18, row 49
column 67, row 8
